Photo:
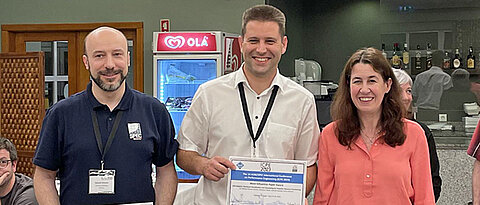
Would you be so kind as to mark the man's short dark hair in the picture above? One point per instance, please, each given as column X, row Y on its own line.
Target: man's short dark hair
column 10, row 147
column 474, row 78
column 437, row 58
column 264, row 13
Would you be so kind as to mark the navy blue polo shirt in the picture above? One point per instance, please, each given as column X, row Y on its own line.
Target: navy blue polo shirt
column 67, row 143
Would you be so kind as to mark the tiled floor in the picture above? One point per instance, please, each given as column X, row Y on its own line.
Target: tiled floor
column 456, row 172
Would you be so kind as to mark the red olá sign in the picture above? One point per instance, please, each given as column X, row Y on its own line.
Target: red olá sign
column 186, row 42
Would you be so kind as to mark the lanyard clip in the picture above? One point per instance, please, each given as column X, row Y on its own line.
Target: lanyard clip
column 101, row 164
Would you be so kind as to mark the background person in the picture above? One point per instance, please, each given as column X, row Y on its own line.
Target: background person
column 473, row 148
column 15, row 188
column 430, row 84
column 215, row 127
column 406, row 85
column 370, row 154
column 106, row 130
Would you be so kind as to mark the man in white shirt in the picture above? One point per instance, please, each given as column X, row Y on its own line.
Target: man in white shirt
column 275, row 118
column 429, row 85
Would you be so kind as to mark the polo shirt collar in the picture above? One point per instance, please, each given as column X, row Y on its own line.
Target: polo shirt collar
column 240, row 77
column 124, row 104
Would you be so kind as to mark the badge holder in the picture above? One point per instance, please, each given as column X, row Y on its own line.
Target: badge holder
column 101, row 181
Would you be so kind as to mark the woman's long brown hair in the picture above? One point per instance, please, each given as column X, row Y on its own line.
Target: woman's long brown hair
column 345, row 114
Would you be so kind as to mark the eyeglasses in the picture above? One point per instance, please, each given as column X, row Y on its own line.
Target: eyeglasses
column 4, row 163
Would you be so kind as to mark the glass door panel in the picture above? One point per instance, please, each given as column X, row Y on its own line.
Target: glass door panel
column 56, row 68
column 177, row 81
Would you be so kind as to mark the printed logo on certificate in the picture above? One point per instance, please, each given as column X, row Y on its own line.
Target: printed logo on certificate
column 266, row 181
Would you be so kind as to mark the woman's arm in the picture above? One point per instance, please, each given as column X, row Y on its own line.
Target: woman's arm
column 325, row 176
column 421, row 175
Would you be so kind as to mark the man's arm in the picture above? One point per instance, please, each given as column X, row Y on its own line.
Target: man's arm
column 311, row 178
column 166, row 184
column 476, row 183
column 44, row 186
column 307, row 145
column 214, row 168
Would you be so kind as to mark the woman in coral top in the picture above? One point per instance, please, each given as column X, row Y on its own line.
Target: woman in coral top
column 370, row 154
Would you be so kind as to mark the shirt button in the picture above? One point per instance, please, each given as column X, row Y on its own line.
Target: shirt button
column 368, row 175
column 110, row 118
column 256, row 117
column 258, row 98
column 375, row 144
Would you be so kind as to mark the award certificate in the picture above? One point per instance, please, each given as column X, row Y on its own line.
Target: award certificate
column 266, row 181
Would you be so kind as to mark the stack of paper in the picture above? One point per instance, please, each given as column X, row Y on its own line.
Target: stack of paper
column 440, row 126
column 471, row 108
column 470, row 123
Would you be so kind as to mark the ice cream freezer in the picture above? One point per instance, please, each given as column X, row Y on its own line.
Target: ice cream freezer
column 182, row 61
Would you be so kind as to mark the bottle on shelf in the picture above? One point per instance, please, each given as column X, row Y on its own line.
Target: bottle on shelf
column 470, row 59
column 396, row 56
column 406, row 56
column 418, row 59
column 446, row 61
column 383, row 51
column 429, row 55
column 457, row 60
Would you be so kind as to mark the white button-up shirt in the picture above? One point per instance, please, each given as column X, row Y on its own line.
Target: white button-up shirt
column 428, row 88
column 215, row 126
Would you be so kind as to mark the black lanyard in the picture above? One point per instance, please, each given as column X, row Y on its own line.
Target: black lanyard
column 104, row 150
column 265, row 115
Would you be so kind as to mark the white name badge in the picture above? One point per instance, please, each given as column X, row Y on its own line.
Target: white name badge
column 101, row 181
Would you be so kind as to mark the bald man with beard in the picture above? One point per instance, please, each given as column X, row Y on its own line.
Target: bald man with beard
column 102, row 141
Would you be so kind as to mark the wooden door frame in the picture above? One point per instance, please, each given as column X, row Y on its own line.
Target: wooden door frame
column 20, row 46
column 132, row 30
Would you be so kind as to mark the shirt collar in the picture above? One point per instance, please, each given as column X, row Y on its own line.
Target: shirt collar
column 436, row 68
column 240, row 77
column 124, row 103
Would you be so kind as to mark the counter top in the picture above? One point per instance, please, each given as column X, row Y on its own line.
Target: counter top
column 456, row 138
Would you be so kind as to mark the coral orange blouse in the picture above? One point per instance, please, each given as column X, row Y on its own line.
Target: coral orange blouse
column 383, row 175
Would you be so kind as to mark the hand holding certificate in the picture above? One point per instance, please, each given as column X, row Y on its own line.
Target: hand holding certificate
column 216, row 167
column 266, row 181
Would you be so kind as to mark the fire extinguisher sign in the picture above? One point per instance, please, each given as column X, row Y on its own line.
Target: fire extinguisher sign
column 164, row 25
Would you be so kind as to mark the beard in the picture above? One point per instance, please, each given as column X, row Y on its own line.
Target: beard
column 102, row 84
column 108, row 87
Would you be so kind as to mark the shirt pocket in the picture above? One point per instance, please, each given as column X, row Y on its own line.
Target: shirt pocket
column 280, row 140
